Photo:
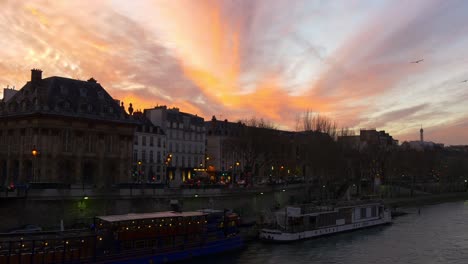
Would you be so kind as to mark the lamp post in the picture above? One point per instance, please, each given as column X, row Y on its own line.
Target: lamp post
column 168, row 163
column 34, row 153
column 139, row 171
column 237, row 171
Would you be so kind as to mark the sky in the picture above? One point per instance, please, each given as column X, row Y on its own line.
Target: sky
column 274, row 59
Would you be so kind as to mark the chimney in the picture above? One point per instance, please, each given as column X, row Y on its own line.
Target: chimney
column 36, row 75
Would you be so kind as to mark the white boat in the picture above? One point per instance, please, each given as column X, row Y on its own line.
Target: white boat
column 308, row 221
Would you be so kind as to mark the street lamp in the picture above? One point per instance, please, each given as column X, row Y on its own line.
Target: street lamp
column 237, row 171
column 139, row 171
column 168, row 164
column 34, row 153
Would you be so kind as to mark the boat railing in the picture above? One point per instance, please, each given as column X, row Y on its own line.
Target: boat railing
column 358, row 202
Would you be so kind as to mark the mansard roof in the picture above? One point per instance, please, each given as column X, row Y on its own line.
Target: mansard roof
column 144, row 125
column 64, row 97
column 178, row 117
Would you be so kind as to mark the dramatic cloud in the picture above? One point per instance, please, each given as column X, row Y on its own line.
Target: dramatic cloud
column 274, row 59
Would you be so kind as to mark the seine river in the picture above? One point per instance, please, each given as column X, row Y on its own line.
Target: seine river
column 438, row 235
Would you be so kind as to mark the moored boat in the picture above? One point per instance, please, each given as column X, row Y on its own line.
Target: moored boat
column 308, row 221
column 159, row 237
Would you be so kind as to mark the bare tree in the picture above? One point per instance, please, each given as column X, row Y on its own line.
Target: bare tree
column 346, row 131
column 310, row 121
column 259, row 123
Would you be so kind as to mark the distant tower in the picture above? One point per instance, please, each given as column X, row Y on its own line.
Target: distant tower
column 421, row 133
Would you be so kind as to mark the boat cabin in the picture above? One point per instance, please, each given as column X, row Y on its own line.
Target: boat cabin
column 299, row 219
column 47, row 247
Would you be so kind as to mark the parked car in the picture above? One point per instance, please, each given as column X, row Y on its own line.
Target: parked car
column 27, row 229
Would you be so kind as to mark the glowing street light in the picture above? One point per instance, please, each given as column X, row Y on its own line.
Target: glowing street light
column 139, row 170
column 34, row 153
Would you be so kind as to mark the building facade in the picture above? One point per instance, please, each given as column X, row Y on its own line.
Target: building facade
column 64, row 131
column 185, row 141
column 149, row 151
column 225, row 159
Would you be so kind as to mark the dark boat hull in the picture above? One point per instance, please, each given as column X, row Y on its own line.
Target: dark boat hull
column 215, row 247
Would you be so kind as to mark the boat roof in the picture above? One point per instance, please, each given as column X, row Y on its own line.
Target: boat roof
column 210, row 211
column 45, row 235
column 130, row 217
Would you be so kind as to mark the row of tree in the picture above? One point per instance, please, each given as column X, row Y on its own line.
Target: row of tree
column 313, row 153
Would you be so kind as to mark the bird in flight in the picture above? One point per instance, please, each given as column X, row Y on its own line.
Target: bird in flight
column 464, row 81
column 418, row 61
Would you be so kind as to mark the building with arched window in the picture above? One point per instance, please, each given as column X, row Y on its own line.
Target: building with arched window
column 64, row 131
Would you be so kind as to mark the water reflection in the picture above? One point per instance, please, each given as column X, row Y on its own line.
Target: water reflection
column 439, row 234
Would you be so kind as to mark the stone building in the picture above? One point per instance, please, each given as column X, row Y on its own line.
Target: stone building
column 149, row 151
column 240, row 153
column 185, row 140
column 223, row 156
column 64, row 131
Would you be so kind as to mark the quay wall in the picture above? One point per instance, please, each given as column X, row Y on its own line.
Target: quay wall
column 46, row 208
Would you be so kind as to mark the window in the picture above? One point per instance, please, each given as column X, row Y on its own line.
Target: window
column 143, row 143
column 63, row 90
column 159, row 142
column 158, row 157
column 151, row 158
column 363, row 212
column 83, row 92
column 151, row 141
column 143, row 155
column 66, row 141
column 108, row 142
column 135, row 155
column 135, row 138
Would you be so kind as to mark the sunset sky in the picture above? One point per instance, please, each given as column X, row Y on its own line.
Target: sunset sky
column 275, row 59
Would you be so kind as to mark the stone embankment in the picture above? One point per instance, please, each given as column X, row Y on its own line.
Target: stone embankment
column 425, row 199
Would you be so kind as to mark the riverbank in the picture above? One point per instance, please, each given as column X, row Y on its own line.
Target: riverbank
column 425, row 199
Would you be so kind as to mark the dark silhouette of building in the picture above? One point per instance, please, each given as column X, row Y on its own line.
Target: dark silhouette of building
column 61, row 130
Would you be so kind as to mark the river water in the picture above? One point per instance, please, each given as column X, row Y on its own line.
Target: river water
column 438, row 235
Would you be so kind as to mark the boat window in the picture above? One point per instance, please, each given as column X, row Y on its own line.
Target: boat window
column 363, row 212
column 127, row 245
column 140, row 244
column 374, row 211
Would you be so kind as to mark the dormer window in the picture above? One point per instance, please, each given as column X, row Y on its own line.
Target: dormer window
column 24, row 105
column 100, row 95
column 83, row 92
column 63, row 90
column 90, row 108
column 111, row 110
